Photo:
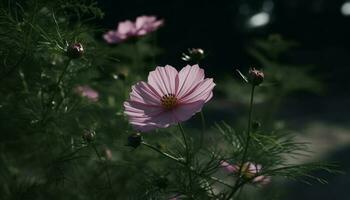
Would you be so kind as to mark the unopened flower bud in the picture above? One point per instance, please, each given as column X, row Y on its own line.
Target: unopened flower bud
column 89, row 135
column 134, row 140
column 193, row 55
column 255, row 77
column 75, row 50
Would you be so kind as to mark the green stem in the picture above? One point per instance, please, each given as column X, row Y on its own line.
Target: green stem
column 181, row 162
column 163, row 153
column 244, row 158
column 201, row 139
column 56, row 86
column 187, row 148
column 188, row 158
column 238, row 183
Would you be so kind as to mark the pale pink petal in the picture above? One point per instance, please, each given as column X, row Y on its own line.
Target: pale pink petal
column 139, row 110
column 228, row 167
column 145, row 117
column 189, row 78
column 126, row 27
column 114, row 37
column 88, row 92
column 142, row 20
column 202, row 92
column 163, row 80
column 184, row 112
column 147, row 24
column 144, row 93
column 149, row 108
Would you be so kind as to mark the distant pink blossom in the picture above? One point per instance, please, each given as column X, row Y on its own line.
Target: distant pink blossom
column 228, row 167
column 88, row 92
column 249, row 170
column 168, row 97
column 128, row 29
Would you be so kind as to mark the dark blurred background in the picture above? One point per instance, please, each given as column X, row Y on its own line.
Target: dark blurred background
column 225, row 28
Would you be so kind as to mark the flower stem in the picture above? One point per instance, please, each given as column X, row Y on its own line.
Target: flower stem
column 162, row 153
column 188, row 158
column 181, row 162
column 65, row 69
column 244, row 158
column 238, row 183
column 201, row 139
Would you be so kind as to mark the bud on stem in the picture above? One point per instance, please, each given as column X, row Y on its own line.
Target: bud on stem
column 255, row 77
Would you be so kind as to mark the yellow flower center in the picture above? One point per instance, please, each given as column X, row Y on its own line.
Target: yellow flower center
column 169, row 101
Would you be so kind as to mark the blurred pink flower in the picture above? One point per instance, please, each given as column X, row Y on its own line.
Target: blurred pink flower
column 249, row 170
column 228, row 167
column 127, row 29
column 88, row 92
column 168, row 97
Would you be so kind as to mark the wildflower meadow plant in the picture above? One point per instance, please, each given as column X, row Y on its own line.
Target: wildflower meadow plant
column 169, row 97
column 77, row 122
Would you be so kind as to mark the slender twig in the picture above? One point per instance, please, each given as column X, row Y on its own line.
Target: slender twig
column 163, row 153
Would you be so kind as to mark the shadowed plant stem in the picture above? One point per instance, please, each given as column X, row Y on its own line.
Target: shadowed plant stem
column 188, row 158
column 162, row 153
column 181, row 162
column 246, row 146
column 60, row 78
column 201, row 139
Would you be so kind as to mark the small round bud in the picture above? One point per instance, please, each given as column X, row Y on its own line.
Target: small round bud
column 89, row 135
column 255, row 77
column 134, row 140
column 75, row 50
column 193, row 55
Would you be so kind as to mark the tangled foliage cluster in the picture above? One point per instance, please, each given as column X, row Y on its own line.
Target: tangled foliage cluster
column 64, row 134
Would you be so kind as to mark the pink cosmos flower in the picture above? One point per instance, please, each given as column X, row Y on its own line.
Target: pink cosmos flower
column 249, row 170
column 168, row 97
column 88, row 92
column 127, row 29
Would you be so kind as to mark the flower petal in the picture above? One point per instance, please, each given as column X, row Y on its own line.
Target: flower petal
column 189, row 77
column 126, row 27
column 144, row 93
column 164, row 80
column 145, row 117
column 184, row 112
column 203, row 92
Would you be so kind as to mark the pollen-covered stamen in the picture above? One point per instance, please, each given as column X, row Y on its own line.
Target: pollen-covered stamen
column 168, row 101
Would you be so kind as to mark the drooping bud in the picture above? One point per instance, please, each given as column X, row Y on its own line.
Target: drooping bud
column 255, row 77
column 193, row 55
column 75, row 50
column 88, row 136
column 134, row 140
